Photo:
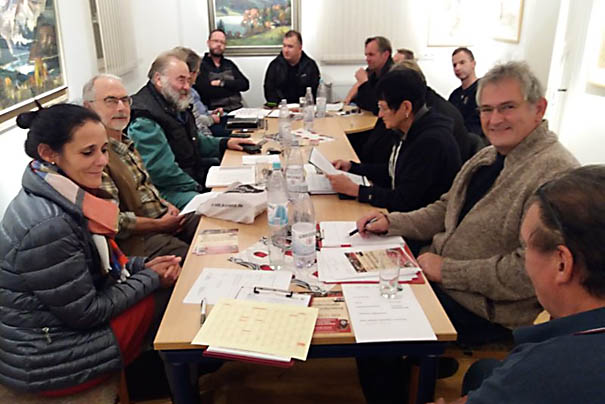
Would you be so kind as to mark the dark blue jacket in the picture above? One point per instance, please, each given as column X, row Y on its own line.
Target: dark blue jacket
column 55, row 305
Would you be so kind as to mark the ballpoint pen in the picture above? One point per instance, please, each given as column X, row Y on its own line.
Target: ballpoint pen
column 203, row 312
column 353, row 232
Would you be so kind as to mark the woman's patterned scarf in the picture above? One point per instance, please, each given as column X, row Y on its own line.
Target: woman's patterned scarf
column 102, row 215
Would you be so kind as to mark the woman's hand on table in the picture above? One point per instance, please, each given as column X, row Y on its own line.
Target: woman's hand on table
column 342, row 165
column 343, row 185
column 167, row 267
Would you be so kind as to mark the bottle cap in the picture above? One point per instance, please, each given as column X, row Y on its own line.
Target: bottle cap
column 277, row 165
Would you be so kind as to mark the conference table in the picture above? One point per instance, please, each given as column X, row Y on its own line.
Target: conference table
column 181, row 321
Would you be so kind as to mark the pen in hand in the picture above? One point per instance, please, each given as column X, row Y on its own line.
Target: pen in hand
column 203, row 312
column 353, row 232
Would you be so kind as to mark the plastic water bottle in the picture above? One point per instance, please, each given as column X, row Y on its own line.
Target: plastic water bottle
column 277, row 216
column 303, row 232
column 285, row 126
column 322, row 97
column 295, row 172
column 309, row 111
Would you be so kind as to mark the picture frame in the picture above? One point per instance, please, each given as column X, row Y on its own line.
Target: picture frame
column 450, row 23
column 31, row 60
column 596, row 48
column 254, row 27
column 508, row 20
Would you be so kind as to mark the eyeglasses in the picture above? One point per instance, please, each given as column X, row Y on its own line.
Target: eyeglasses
column 503, row 109
column 111, row 101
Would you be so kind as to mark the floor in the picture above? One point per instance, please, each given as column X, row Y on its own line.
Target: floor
column 314, row 381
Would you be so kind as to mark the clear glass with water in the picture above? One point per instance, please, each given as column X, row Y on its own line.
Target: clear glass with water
column 388, row 275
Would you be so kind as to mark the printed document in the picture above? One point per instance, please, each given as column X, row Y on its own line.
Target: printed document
column 269, row 328
column 215, row 283
column 336, row 234
column 378, row 319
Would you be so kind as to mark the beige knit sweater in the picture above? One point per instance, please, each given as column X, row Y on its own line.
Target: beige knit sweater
column 483, row 266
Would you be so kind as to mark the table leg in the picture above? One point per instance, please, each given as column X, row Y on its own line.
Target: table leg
column 426, row 379
column 182, row 381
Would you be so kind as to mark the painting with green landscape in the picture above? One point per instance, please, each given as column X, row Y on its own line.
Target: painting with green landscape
column 254, row 27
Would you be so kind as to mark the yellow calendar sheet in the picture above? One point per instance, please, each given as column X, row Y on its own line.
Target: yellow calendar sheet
column 270, row 328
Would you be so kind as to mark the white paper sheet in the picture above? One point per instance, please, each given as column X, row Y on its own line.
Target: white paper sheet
column 320, row 161
column 334, row 266
column 250, row 113
column 216, row 283
column 377, row 319
column 320, row 184
column 273, row 296
column 336, row 234
column 262, row 159
column 197, row 201
column 225, row 176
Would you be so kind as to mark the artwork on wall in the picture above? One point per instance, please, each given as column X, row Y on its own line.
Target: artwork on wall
column 596, row 71
column 254, row 27
column 450, row 23
column 30, row 54
column 509, row 15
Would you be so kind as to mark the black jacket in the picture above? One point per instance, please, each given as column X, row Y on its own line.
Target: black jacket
column 463, row 138
column 228, row 94
column 181, row 132
column 427, row 164
column 55, row 306
column 366, row 97
column 277, row 84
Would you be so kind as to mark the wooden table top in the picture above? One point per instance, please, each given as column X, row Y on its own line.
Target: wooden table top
column 181, row 321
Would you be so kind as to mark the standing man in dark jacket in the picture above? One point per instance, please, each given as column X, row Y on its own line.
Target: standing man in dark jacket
column 220, row 82
column 291, row 72
column 378, row 56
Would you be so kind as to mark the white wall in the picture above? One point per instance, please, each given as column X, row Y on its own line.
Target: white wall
column 161, row 25
column 581, row 124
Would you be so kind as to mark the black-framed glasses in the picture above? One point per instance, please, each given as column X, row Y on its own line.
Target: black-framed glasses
column 112, row 101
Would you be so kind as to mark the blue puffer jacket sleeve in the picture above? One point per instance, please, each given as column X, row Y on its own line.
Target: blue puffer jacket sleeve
column 62, row 281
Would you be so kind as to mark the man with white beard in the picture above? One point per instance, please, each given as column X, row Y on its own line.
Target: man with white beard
column 164, row 132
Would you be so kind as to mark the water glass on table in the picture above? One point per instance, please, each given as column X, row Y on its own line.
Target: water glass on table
column 388, row 276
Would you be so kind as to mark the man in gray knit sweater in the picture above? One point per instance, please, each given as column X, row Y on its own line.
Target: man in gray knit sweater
column 475, row 260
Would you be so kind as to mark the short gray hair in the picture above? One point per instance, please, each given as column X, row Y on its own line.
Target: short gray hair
column 531, row 88
column 88, row 90
column 160, row 63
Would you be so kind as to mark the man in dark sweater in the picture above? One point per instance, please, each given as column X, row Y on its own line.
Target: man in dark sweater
column 424, row 159
column 291, row 72
column 220, row 82
column 464, row 97
column 378, row 56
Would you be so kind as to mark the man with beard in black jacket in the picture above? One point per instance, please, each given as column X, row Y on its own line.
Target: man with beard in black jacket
column 291, row 72
column 220, row 82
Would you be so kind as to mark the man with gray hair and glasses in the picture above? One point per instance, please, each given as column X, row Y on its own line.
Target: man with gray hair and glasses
column 475, row 258
column 148, row 224
column 558, row 361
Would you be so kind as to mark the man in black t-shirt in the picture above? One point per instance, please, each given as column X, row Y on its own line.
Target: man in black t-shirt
column 464, row 97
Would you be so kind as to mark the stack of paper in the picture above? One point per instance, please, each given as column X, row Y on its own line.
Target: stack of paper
column 251, row 327
column 319, row 184
column 249, row 113
column 345, row 258
column 225, row 176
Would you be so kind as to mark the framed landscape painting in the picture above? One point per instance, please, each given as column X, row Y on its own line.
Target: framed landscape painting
column 30, row 55
column 254, row 27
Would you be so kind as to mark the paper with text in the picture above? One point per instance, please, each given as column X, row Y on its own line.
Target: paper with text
column 215, row 283
column 225, row 176
column 274, row 329
column 336, row 234
column 198, row 200
column 377, row 319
